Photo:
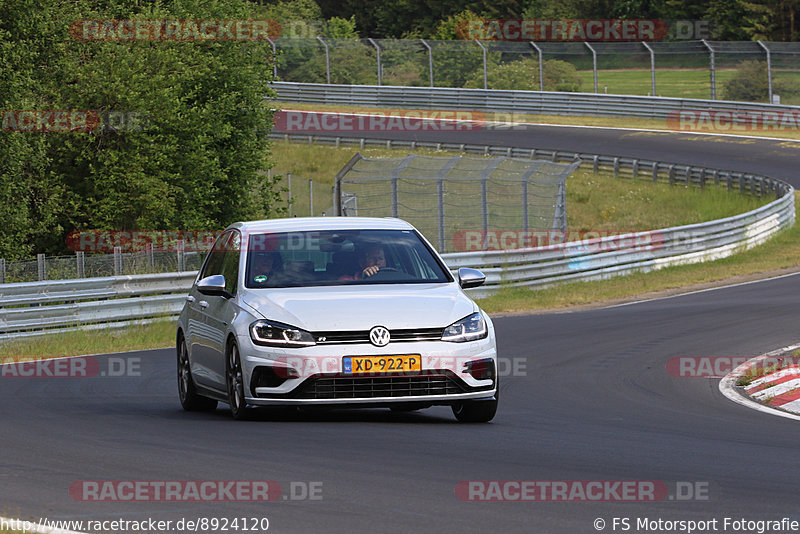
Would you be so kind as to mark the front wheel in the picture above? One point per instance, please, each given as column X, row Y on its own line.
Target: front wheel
column 235, row 381
column 187, row 392
column 477, row 411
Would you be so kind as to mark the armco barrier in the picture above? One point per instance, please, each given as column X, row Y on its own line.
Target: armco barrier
column 35, row 308
column 517, row 102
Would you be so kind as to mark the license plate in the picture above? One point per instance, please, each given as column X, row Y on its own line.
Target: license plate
column 381, row 364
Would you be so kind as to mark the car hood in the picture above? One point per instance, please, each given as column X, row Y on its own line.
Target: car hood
column 362, row 307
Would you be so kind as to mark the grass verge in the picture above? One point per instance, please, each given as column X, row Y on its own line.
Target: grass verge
column 154, row 335
column 595, row 202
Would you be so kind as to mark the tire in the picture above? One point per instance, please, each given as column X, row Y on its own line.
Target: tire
column 235, row 380
column 187, row 393
column 472, row 411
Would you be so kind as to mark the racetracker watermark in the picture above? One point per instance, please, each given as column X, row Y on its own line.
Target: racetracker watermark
column 76, row 367
column 591, row 240
column 722, row 366
column 106, row 241
column 392, row 121
column 67, row 121
column 581, row 30
column 733, row 121
column 193, row 491
column 580, row 491
column 175, row 30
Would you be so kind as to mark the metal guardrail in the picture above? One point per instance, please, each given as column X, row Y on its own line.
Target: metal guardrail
column 512, row 102
column 29, row 309
column 45, row 307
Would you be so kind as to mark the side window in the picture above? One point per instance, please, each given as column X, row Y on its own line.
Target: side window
column 230, row 262
column 213, row 264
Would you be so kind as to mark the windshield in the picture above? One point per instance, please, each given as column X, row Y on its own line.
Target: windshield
column 341, row 257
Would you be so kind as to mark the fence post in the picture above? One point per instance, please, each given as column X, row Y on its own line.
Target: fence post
column 2, row 271
column 81, row 264
column 311, row 198
column 594, row 64
column 541, row 65
column 117, row 261
column 440, row 211
column 769, row 70
column 525, row 204
column 181, row 256
column 327, row 60
column 713, row 70
column 42, row 267
column 378, row 50
column 274, row 59
column 151, row 260
column 485, row 74
column 430, row 59
column 289, row 180
column 652, row 66
column 485, row 210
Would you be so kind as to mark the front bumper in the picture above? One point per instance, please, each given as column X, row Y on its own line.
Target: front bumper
column 314, row 375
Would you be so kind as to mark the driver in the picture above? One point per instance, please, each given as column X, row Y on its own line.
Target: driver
column 371, row 259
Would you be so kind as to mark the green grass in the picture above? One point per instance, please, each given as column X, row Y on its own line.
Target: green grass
column 82, row 342
column 676, row 83
column 595, row 202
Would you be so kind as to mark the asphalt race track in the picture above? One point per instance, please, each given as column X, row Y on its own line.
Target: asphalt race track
column 587, row 398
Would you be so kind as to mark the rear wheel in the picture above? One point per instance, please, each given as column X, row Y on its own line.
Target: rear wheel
column 234, row 378
column 187, row 393
column 477, row 411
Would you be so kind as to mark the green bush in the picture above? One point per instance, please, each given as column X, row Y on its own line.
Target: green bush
column 750, row 84
column 193, row 159
column 523, row 75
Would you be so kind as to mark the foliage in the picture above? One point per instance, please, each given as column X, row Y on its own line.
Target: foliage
column 524, row 75
column 190, row 160
column 750, row 84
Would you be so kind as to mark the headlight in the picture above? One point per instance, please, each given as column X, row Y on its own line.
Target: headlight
column 279, row 335
column 469, row 328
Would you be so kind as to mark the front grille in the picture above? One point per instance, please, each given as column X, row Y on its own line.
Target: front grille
column 351, row 387
column 362, row 336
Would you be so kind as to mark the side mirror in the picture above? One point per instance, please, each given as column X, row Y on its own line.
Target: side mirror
column 470, row 277
column 213, row 286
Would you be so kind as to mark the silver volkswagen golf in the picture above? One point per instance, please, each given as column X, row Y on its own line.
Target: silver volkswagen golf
column 342, row 311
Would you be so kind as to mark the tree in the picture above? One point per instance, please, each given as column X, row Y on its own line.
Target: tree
column 192, row 143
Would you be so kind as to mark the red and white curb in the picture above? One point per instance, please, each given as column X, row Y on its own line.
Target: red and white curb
column 777, row 393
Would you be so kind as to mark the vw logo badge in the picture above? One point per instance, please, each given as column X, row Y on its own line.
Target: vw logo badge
column 379, row 336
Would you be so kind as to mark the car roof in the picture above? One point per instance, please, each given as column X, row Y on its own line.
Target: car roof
column 299, row 224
